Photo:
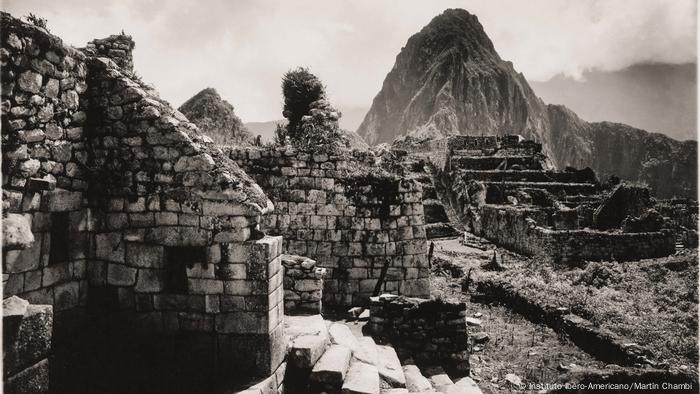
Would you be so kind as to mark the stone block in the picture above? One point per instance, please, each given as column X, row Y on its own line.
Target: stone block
column 32, row 380
column 23, row 260
column 109, row 247
column 26, row 338
column 66, row 296
column 121, row 275
column 205, row 286
column 241, row 323
column 144, row 255
column 177, row 236
column 150, row 281
column 56, row 274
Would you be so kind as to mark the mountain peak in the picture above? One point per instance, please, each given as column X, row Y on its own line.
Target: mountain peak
column 216, row 118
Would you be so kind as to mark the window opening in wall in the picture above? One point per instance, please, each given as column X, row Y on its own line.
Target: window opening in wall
column 59, row 241
column 177, row 260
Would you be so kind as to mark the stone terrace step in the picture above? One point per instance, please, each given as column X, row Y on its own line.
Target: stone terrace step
column 329, row 372
column 521, row 176
column 390, row 370
column 415, row 381
column 361, row 379
column 493, row 162
column 552, row 187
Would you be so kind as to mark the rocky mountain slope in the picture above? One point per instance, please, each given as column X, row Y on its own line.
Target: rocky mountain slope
column 216, row 118
column 449, row 79
column 632, row 96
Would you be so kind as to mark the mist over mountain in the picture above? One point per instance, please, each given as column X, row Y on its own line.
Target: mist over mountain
column 216, row 118
column 655, row 97
column 449, row 79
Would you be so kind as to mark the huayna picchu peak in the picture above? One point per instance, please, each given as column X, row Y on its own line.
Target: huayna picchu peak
column 449, row 79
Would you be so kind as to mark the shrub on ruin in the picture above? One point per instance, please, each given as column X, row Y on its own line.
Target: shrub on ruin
column 599, row 274
column 312, row 120
column 37, row 21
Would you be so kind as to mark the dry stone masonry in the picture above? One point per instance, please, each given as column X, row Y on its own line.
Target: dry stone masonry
column 431, row 332
column 27, row 331
column 303, row 284
column 365, row 228
column 130, row 207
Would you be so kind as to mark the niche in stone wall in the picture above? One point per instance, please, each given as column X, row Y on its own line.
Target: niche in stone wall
column 60, row 242
column 177, row 260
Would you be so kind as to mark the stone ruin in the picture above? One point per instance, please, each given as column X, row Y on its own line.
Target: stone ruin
column 116, row 208
column 504, row 189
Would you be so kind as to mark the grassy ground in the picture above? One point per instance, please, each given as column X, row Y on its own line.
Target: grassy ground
column 653, row 303
column 533, row 352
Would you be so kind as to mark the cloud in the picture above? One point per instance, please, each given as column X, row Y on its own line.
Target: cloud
column 243, row 47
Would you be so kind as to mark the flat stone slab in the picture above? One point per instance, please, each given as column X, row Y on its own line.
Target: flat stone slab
column 367, row 351
column 331, row 368
column 394, row 391
column 441, row 381
column 415, row 381
column 14, row 307
column 305, row 350
column 389, row 367
column 295, row 326
column 341, row 335
column 361, row 379
column 464, row 385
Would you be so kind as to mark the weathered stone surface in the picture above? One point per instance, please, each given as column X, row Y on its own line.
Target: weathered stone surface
column 27, row 341
column 361, row 379
column 415, row 381
column 341, row 335
column 367, row 351
column 33, row 380
column 331, row 368
column 144, row 255
column 120, row 275
column 16, row 232
column 30, row 82
column 390, row 369
column 305, row 350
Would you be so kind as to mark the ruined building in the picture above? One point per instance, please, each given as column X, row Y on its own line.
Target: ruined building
column 116, row 206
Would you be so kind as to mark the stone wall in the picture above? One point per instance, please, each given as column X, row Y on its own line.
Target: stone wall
column 44, row 108
column 303, row 284
column 26, row 345
column 432, row 332
column 134, row 212
column 362, row 226
column 518, row 229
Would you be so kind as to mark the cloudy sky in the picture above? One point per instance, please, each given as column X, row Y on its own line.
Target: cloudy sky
column 242, row 47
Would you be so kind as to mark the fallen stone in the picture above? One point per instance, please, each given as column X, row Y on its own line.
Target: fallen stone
column 367, row 351
column 464, row 385
column 355, row 312
column 514, row 379
column 305, row 350
column 441, row 381
column 331, row 368
column 364, row 316
column 390, row 367
column 473, row 322
column 361, row 379
column 415, row 381
column 480, row 337
column 341, row 335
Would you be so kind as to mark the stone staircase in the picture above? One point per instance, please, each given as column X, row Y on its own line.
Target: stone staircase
column 327, row 357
